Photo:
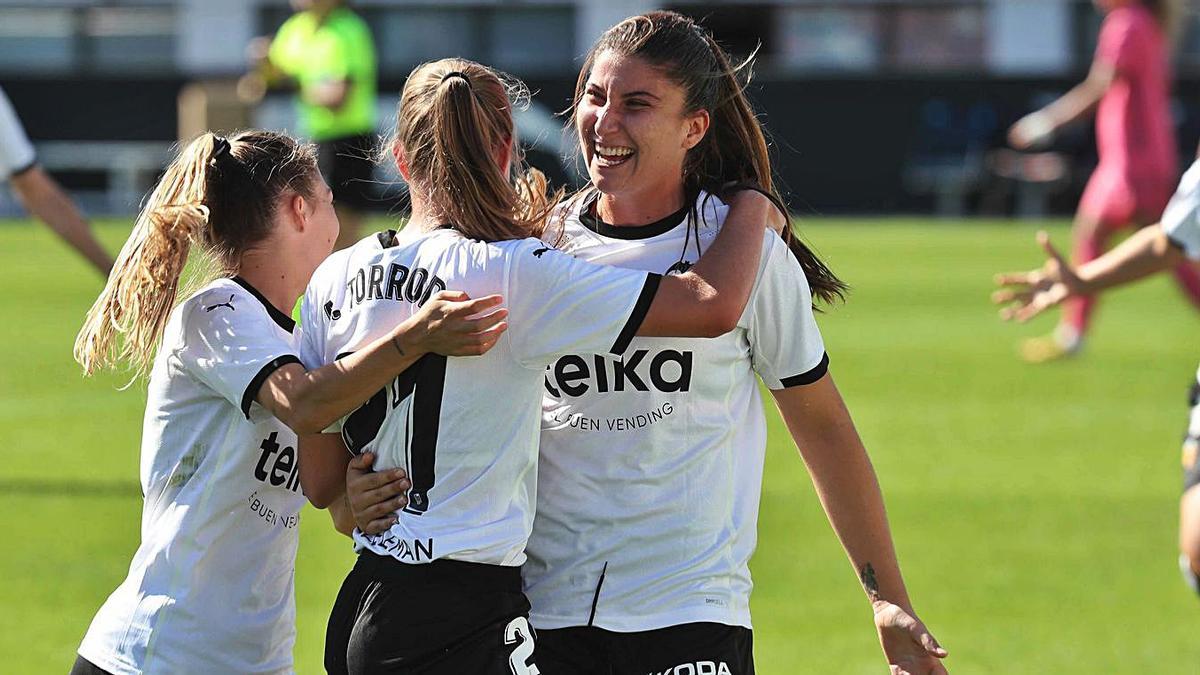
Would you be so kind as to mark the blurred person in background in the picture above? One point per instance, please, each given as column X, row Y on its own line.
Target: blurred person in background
column 1154, row 249
column 327, row 52
column 40, row 194
column 1128, row 88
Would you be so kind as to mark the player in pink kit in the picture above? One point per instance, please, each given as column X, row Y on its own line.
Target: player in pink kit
column 1128, row 86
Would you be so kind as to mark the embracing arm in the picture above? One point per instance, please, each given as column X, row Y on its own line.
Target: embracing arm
column 708, row 299
column 309, row 401
column 845, row 481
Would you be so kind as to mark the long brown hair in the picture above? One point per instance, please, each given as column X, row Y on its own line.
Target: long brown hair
column 454, row 116
column 734, row 151
column 220, row 194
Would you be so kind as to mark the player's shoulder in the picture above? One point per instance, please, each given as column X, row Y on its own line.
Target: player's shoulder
column 224, row 302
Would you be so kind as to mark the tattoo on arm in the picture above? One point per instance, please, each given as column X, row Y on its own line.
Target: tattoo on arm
column 867, row 575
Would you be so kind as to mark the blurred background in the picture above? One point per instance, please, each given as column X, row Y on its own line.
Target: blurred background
column 1034, row 508
column 876, row 106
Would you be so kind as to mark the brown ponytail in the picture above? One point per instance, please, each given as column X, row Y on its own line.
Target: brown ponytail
column 454, row 116
column 735, row 149
column 218, row 193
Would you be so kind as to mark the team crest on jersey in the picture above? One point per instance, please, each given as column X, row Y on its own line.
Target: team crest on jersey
column 331, row 313
column 679, row 267
column 228, row 303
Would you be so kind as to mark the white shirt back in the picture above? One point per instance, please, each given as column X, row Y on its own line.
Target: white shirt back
column 1181, row 220
column 210, row 588
column 465, row 429
column 16, row 152
column 651, row 465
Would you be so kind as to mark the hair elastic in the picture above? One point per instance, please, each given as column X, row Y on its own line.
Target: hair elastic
column 221, row 147
column 456, row 73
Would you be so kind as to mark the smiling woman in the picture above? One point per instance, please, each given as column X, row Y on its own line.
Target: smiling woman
column 652, row 464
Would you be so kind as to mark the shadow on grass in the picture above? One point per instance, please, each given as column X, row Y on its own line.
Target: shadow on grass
column 39, row 487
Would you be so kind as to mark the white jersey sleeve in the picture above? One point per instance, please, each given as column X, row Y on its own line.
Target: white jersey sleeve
column 559, row 305
column 230, row 345
column 16, row 152
column 786, row 346
column 1181, row 220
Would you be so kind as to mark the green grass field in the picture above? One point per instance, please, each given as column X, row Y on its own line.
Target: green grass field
column 1034, row 508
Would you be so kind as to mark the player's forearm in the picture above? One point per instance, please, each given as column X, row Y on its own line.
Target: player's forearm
column 343, row 518
column 708, row 300
column 42, row 197
column 1148, row 251
column 309, row 402
column 847, row 486
column 323, row 460
column 1080, row 101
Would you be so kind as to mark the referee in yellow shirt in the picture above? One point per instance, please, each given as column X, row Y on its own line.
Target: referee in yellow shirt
column 327, row 51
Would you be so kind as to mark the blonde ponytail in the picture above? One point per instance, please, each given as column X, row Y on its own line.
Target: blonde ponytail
column 127, row 320
column 218, row 194
column 454, row 116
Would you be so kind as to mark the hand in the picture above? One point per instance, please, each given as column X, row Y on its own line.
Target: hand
column 258, row 50
column 908, row 646
column 1033, row 292
column 454, row 325
column 375, row 497
column 1031, row 131
column 735, row 194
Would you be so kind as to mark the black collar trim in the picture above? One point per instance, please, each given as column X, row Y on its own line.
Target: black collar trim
column 387, row 238
column 589, row 219
column 285, row 322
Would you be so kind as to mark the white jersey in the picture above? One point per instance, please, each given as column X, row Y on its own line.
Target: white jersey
column 465, row 429
column 16, row 152
column 651, row 465
column 1181, row 220
column 210, row 589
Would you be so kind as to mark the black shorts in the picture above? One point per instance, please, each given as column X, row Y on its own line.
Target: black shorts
column 445, row 617
column 1191, row 441
column 347, row 164
column 84, row 667
column 686, row 649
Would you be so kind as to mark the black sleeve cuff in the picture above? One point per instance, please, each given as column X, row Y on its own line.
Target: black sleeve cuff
column 1177, row 244
column 816, row 373
column 257, row 383
column 638, row 315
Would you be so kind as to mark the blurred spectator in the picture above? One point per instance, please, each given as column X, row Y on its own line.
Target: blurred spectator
column 326, row 51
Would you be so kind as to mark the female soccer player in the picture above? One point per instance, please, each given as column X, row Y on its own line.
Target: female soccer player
column 1151, row 250
column 651, row 466
column 1128, row 88
column 440, row 591
column 210, row 587
column 651, row 462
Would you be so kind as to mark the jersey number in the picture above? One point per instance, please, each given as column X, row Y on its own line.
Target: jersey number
column 517, row 633
column 417, row 395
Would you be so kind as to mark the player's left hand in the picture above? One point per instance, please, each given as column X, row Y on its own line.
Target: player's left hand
column 909, row 647
column 374, row 497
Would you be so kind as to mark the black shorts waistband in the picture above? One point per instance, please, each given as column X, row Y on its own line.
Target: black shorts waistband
column 469, row 575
